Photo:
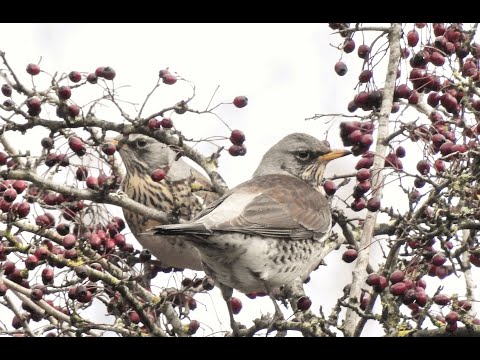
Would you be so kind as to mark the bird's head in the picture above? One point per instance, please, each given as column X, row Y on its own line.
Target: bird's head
column 299, row 155
column 143, row 154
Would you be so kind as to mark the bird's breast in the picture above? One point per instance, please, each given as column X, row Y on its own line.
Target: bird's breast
column 247, row 262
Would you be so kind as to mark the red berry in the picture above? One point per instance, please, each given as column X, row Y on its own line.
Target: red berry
column 452, row 317
column 119, row 240
column 237, row 137
column 400, row 152
column 6, row 90
column 33, row 69
column 437, row 59
column 41, row 253
column 350, row 255
column 397, row 276
column 69, row 241
column 236, row 305
column 169, row 79
column 43, row 221
column 73, row 110
column 341, row 68
column 163, row 72
column 412, row 38
column 158, row 175
column 108, row 73
column 99, row 71
column 51, row 159
column 363, row 174
column 240, row 101
column 64, row 92
column 373, row 204
column 92, row 182
column 237, row 150
column 31, row 262
column 398, row 289
column 109, row 148
column 358, row 204
column 304, row 303
column 134, row 317
column 19, row 186
column 438, row 260
column 82, row 173
column 154, row 124
column 92, row 78
column 330, row 187
column 441, row 299
column 193, row 327
column 363, row 51
column 8, row 267
column 75, row 76
column 76, row 144
column 166, row 123
column 348, row 45
column 373, row 279
column 382, row 284
column 47, row 275
column 10, row 195
column 23, row 209
column 365, row 76
column 423, row 167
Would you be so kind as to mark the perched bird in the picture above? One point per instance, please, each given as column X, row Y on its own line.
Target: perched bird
column 173, row 195
column 268, row 231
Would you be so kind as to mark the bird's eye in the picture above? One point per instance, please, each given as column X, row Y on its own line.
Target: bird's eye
column 141, row 143
column 304, row 155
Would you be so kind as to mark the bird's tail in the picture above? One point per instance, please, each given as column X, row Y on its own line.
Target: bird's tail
column 179, row 229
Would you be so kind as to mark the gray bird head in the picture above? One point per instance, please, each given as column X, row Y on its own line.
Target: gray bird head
column 144, row 154
column 299, row 155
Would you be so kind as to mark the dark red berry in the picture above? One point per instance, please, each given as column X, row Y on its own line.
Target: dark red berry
column 373, row 204
column 398, row 289
column 350, row 255
column 10, row 195
column 363, row 51
column 166, row 123
column 236, row 305
column 341, row 68
column 397, row 276
column 412, row 38
column 304, row 303
column 23, row 209
column 64, row 92
column 108, row 73
column 237, row 137
column 236, row 150
column 75, row 76
column 92, row 78
column 33, row 69
column 441, row 299
column 69, row 241
column 240, row 101
column 158, row 175
column 330, row 187
column 6, row 90
column 31, row 262
column 109, row 148
column 169, row 79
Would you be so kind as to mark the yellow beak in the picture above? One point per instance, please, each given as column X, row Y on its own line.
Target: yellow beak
column 334, row 154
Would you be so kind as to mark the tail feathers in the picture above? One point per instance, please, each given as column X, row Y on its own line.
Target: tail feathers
column 179, row 229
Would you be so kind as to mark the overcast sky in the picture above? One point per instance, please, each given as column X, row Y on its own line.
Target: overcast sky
column 285, row 70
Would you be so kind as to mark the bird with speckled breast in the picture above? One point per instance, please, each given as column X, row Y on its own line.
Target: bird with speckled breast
column 268, row 231
column 182, row 194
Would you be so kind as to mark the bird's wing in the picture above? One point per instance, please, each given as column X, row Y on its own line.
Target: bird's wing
column 270, row 205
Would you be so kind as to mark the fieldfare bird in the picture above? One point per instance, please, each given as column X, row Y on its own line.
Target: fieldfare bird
column 268, row 231
column 174, row 195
